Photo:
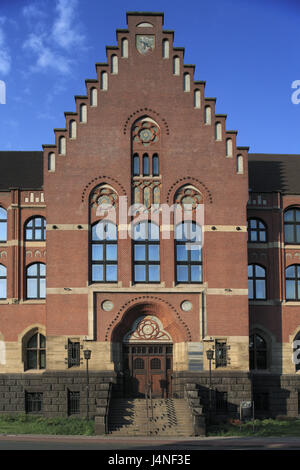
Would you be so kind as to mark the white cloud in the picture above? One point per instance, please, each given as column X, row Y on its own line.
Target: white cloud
column 52, row 44
column 46, row 57
column 65, row 31
column 5, row 57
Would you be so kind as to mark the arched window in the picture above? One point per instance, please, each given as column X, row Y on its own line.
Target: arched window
column 3, row 225
column 292, row 226
column 207, row 117
column 229, row 148
column 114, row 64
column 104, row 81
column 292, row 282
column 73, row 129
column 240, row 164
column 93, row 97
column 36, row 281
column 165, row 49
column 146, row 166
column 104, row 252
column 62, row 145
column 176, row 65
column 187, row 82
column 146, row 252
column 36, row 352
column 188, row 243
column 51, row 161
column 139, row 363
column 258, row 352
column 256, row 231
column 124, row 48
column 136, row 165
column 35, row 229
column 83, row 113
column 155, row 165
column 256, row 282
column 3, row 282
column 155, row 363
column 197, row 99
column 218, row 131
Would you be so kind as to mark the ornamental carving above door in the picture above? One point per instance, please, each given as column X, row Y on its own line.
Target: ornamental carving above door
column 147, row 328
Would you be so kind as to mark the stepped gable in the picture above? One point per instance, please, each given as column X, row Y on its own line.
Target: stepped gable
column 143, row 43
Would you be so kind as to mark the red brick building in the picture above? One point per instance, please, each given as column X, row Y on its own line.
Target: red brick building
column 132, row 290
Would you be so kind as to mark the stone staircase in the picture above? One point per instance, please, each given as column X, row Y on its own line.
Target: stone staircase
column 170, row 417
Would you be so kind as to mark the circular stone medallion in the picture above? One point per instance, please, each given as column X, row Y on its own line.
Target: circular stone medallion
column 107, row 305
column 186, row 306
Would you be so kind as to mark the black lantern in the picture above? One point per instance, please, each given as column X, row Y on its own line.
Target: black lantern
column 87, row 356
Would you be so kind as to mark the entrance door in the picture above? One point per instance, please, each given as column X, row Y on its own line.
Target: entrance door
column 148, row 365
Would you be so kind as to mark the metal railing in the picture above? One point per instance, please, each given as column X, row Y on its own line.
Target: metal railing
column 149, row 406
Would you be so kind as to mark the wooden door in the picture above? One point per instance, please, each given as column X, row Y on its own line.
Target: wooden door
column 146, row 365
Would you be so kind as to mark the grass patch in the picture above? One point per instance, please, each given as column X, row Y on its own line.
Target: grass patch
column 32, row 424
column 258, row 428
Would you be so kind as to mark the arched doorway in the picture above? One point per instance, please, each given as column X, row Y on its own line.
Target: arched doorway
column 147, row 358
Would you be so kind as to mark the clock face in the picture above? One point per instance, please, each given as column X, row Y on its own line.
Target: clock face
column 145, row 44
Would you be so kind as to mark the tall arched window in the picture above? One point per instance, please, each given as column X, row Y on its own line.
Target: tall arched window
column 229, row 147
column 218, row 131
column 197, row 99
column 73, row 129
column 292, row 226
column 62, row 145
column 146, row 166
column 292, row 282
column 36, row 281
column 136, row 164
column 93, row 97
column 114, row 64
column 3, row 225
column 207, row 117
column 146, row 252
column 258, row 352
column 51, row 161
column 3, row 282
column 124, row 48
column 83, row 113
column 155, row 165
column 35, row 229
column 36, row 352
column 187, row 82
column 188, row 244
column 104, row 81
column 176, row 65
column 165, row 49
column 104, row 252
column 256, row 282
column 256, row 231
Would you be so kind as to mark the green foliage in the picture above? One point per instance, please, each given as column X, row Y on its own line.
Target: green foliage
column 34, row 424
column 259, row 428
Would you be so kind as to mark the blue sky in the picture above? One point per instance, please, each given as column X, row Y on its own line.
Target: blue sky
column 247, row 51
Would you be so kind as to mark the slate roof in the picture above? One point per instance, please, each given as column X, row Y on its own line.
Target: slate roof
column 269, row 173
column 22, row 170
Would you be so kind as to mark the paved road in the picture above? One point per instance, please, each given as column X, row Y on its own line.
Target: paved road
column 103, row 443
